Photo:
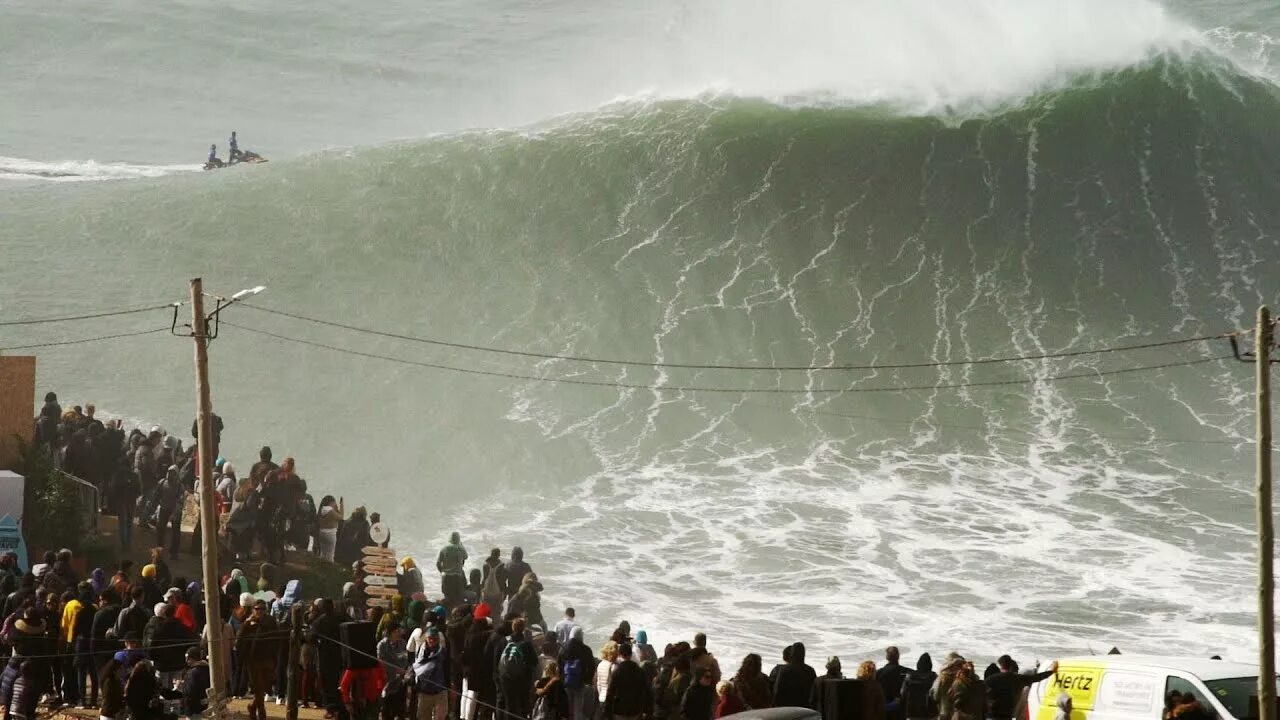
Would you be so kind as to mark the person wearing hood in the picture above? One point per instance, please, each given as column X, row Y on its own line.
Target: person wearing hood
column 48, row 419
column 352, row 537
column 794, row 685
column 409, row 578
column 1005, row 687
column 916, row 702
column 577, row 672
column 516, row 570
column 644, row 651
column 169, row 496
column 1063, row 705
column 451, row 563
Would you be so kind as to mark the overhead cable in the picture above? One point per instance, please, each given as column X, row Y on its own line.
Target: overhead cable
column 759, row 368
column 110, row 313
column 734, row 390
column 80, row 341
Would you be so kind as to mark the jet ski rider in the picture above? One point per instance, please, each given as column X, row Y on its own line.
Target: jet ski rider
column 213, row 154
column 235, row 147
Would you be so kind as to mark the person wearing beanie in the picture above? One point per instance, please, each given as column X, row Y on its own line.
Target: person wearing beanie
column 195, row 685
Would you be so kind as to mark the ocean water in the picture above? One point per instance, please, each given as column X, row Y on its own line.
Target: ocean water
column 807, row 184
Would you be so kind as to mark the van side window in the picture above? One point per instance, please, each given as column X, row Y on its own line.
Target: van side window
column 1176, row 690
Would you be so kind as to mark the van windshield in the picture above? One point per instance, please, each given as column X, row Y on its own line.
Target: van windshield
column 1238, row 695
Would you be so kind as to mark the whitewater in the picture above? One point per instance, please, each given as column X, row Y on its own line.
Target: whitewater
column 714, row 183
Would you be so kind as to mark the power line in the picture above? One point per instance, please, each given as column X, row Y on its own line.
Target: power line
column 776, row 368
column 690, row 388
column 80, row 341
column 111, row 313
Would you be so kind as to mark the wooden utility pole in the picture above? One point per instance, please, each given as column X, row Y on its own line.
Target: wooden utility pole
column 208, row 519
column 1266, row 550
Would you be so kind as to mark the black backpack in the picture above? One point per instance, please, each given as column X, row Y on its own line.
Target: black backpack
column 917, row 701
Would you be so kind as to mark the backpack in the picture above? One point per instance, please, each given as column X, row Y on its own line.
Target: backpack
column 573, row 674
column 512, row 666
column 916, row 698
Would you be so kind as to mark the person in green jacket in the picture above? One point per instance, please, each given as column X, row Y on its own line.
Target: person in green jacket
column 452, row 566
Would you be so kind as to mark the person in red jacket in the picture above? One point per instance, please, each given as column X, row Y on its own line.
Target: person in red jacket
column 360, row 690
column 182, row 611
column 729, row 701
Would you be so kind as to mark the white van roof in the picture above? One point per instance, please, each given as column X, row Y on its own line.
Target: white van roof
column 1202, row 668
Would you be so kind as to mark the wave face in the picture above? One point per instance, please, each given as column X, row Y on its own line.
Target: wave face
column 1126, row 206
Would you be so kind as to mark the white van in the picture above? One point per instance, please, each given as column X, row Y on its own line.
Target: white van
column 1134, row 687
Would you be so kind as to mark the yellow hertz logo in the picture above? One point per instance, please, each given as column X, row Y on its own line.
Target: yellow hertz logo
column 1080, row 683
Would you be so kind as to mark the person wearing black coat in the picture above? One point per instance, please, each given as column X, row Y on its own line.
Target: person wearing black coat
column 112, row 689
column 699, row 700
column 794, row 684
column 476, row 667
column 515, row 691
column 141, row 693
column 325, row 633
column 890, row 677
column 916, row 697
column 26, row 693
column 630, row 694
column 169, row 646
column 515, row 571
column 195, row 685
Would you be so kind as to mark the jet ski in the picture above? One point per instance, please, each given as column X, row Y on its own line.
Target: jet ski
column 243, row 156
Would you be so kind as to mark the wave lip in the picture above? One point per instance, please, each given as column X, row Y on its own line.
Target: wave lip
column 84, row 170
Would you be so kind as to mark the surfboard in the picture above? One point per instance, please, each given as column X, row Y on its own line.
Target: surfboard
column 380, row 580
column 386, row 592
column 379, row 551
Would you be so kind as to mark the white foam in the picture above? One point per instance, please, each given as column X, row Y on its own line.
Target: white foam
column 921, row 54
column 83, row 170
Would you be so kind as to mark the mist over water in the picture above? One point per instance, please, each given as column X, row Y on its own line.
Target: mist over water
column 708, row 183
